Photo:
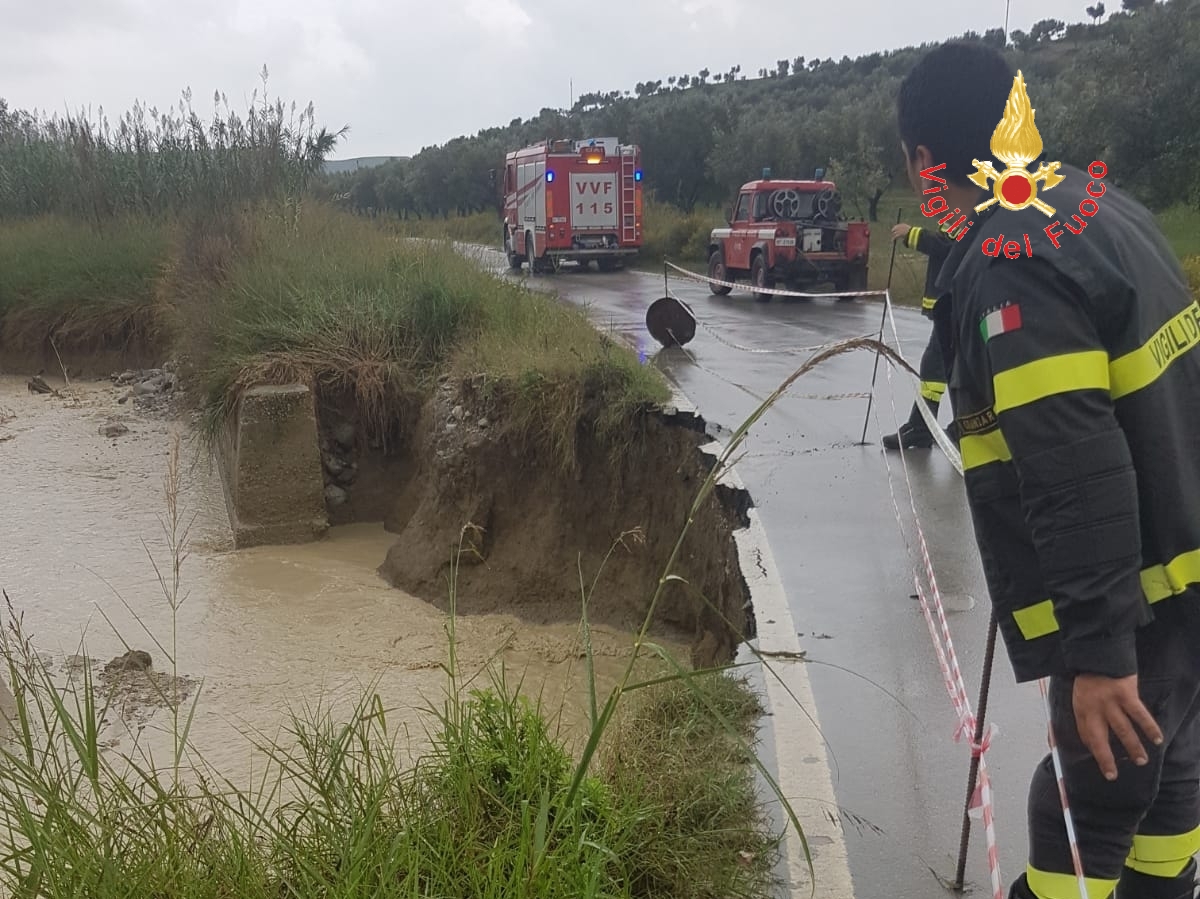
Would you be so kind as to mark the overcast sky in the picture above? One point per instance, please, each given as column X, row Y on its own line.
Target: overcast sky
column 406, row 74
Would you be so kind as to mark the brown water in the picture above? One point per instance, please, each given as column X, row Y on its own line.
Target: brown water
column 85, row 522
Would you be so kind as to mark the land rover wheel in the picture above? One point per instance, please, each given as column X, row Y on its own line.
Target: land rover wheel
column 761, row 279
column 853, row 280
column 718, row 272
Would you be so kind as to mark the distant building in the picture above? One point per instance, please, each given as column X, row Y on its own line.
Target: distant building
column 337, row 166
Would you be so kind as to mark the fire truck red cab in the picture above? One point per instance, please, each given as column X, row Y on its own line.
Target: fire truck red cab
column 572, row 200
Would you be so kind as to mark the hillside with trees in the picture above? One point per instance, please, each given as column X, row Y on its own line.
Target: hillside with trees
column 1121, row 88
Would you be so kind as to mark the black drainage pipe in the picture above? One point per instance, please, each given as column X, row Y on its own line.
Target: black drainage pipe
column 670, row 322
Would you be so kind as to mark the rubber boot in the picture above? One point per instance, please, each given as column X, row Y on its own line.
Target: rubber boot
column 1020, row 889
column 914, row 432
column 1135, row 885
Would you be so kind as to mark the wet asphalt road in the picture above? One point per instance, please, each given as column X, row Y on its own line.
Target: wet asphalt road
column 824, row 500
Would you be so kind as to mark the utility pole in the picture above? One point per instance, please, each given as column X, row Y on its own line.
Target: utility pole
column 1007, row 3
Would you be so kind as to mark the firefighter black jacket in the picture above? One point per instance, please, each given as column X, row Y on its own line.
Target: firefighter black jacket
column 1075, row 381
column 934, row 243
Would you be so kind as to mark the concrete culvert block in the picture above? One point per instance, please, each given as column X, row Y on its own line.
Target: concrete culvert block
column 275, row 485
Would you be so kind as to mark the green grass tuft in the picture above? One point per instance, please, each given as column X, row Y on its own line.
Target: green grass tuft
column 75, row 282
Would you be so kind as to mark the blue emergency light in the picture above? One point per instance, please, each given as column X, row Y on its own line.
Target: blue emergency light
column 549, row 176
column 637, row 175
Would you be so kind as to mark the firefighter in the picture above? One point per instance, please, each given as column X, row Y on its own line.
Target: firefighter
column 914, row 433
column 1075, row 382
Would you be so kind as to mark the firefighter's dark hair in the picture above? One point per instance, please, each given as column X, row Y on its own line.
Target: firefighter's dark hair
column 952, row 101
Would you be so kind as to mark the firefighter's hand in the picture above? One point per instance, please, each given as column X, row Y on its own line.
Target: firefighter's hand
column 899, row 232
column 1105, row 703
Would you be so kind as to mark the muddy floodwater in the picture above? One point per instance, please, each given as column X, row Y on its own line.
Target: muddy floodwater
column 84, row 540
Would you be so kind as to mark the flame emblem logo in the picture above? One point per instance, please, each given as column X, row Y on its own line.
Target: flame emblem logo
column 1016, row 142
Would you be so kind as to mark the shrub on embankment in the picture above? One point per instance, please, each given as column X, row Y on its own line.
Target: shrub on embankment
column 66, row 279
column 326, row 298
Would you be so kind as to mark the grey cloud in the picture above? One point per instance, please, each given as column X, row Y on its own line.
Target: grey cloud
column 407, row 74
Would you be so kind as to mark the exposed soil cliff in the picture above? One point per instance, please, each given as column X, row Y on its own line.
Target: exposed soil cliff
column 530, row 539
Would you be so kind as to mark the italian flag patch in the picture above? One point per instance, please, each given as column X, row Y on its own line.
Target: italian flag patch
column 1003, row 320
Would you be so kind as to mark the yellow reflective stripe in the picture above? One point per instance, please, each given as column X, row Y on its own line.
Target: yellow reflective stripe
column 1169, row 869
column 980, row 449
column 1143, row 366
column 1092, row 369
column 928, row 302
column 1165, row 848
column 1036, row 621
column 1159, row 582
column 913, row 234
column 933, row 390
column 1047, row 885
column 1041, row 378
column 1163, row 855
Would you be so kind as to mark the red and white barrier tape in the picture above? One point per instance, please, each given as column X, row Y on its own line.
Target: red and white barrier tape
column 939, row 632
column 945, row 444
column 1076, row 860
column 981, row 801
column 773, row 291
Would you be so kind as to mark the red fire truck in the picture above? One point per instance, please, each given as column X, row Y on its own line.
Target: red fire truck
column 572, row 200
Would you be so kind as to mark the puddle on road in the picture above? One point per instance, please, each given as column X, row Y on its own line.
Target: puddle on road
column 85, row 523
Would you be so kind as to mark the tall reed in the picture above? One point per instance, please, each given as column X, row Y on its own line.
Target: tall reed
column 153, row 161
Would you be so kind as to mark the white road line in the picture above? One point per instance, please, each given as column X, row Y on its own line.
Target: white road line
column 808, row 787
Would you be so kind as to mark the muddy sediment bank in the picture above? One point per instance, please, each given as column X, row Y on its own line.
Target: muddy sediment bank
column 469, row 495
column 461, row 490
column 522, row 535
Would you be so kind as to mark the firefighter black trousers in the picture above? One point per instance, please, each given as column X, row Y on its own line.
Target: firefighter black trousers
column 932, row 371
column 1136, row 834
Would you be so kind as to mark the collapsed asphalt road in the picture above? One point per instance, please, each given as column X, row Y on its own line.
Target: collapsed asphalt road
column 824, row 500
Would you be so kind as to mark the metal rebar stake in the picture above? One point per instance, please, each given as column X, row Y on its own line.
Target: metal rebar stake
column 883, row 319
column 988, row 655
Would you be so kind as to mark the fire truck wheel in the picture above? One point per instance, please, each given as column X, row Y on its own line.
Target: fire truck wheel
column 514, row 260
column 718, row 272
column 536, row 265
column 760, row 278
